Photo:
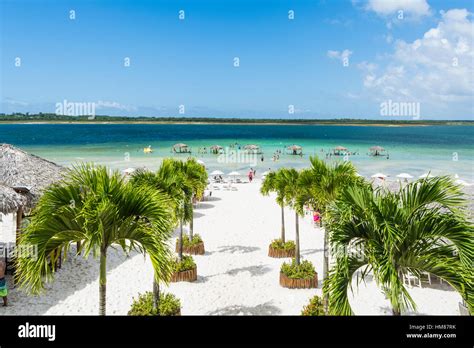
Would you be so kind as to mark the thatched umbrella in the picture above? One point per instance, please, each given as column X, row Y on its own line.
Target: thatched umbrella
column 181, row 148
column 10, row 200
column 19, row 169
column 252, row 148
column 338, row 150
column 376, row 150
column 27, row 175
column 215, row 149
column 295, row 149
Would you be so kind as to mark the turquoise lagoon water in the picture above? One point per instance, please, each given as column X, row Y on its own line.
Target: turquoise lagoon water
column 416, row 150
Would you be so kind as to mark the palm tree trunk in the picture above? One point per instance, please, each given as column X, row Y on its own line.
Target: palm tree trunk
column 191, row 227
column 325, row 266
column 297, row 239
column 191, row 223
column 156, row 296
column 103, row 281
column 282, row 223
column 396, row 311
column 180, row 254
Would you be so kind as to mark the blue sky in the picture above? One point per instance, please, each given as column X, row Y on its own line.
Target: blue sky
column 283, row 62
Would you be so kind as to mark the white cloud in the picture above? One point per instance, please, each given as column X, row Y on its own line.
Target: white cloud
column 342, row 56
column 436, row 69
column 113, row 105
column 416, row 8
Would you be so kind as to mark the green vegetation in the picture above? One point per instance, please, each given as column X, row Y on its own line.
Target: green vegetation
column 98, row 209
column 185, row 264
column 280, row 245
column 188, row 242
column 314, row 308
column 49, row 117
column 303, row 270
column 421, row 228
column 274, row 182
column 181, row 181
column 169, row 305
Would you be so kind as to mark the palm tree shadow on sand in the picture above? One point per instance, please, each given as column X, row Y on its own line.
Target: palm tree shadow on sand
column 70, row 273
column 262, row 309
column 243, row 249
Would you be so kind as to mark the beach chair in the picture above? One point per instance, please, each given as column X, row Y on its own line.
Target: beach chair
column 408, row 277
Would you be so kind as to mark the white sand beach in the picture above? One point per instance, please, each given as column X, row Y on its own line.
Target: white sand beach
column 235, row 276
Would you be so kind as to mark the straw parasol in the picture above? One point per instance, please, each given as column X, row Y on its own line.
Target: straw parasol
column 27, row 172
column 376, row 150
column 215, row 149
column 27, row 175
column 181, row 148
column 252, row 148
column 234, row 174
column 10, row 200
column 295, row 149
column 201, row 162
column 426, row 175
column 338, row 150
column 217, row 172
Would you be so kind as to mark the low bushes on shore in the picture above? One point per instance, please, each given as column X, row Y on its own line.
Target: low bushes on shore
column 185, row 264
column 278, row 244
column 169, row 305
column 315, row 307
column 305, row 270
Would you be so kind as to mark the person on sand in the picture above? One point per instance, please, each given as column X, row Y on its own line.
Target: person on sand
column 250, row 176
column 3, row 283
column 316, row 217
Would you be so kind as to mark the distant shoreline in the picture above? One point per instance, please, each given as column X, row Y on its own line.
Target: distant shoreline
column 54, row 119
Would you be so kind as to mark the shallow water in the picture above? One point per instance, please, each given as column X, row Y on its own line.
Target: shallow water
column 415, row 150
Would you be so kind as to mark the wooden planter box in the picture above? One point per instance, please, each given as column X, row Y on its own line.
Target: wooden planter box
column 298, row 283
column 189, row 275
column 279, row 253
column 197, row 249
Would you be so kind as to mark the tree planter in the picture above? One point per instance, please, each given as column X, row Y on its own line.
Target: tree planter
column 189, row 275
column 280, row 253
column 196, row 249
column 298, row 283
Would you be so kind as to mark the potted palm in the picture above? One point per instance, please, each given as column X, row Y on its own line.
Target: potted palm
column 296, row 274
column 275, row 182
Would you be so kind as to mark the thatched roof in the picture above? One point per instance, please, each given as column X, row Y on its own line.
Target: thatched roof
column 10, row 201
column 294, row 147
column 19, row 169
column 180, row 145
column 377, row 148
column 340, row 148
column 216, row 147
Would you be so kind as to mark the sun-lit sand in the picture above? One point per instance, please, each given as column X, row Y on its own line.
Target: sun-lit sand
column 235, row 276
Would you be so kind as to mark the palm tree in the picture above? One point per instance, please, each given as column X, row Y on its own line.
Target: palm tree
column 274, row 182
column 290, row 176
column 196, row 178
column 99, row 209
column 320, row 185
column 421, row 228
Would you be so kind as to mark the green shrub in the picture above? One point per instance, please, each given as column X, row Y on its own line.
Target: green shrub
column 187, row 242
column 185, row 264
column 304, row 271
column 279, row 245
column 143, row 306
column 314, row 308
